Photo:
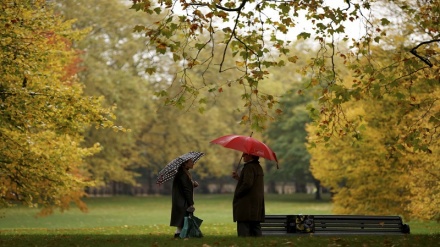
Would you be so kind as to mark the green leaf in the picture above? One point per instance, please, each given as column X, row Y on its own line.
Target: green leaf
column 303, row 35
column 200, row 46
column 384, row 21
column 400, row 96
column 434, row 120
column 227, row 30
column 161, row 93
column 150, row 70
column 158, row 10
column 176, row 57
column 139, row 28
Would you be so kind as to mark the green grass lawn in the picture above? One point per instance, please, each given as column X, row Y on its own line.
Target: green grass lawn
column 152, row 210
column 143, row 221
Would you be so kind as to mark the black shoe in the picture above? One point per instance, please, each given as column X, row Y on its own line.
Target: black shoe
column 176, row 235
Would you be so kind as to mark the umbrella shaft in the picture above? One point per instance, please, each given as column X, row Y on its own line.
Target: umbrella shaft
column 238, row 165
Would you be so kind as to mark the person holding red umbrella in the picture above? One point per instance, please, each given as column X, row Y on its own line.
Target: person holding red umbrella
column 248, row 202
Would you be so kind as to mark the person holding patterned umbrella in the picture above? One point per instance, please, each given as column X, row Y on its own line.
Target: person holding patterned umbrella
column 182, row 195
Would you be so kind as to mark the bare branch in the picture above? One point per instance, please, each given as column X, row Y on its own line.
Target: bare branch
column 424, row 59
column 238, row 9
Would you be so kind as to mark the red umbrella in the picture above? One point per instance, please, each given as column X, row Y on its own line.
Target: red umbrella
column 246, row 144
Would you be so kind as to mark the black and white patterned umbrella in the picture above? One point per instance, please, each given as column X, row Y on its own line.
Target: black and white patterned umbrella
column 170, row 170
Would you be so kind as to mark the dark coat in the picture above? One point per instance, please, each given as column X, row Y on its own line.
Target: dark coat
column 182, row 197
column 248, row 203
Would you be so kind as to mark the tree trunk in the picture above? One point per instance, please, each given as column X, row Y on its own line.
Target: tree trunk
column 271, row 187
column 150, row 181
column 318, row 190
column 270, row 184
column 300, row 187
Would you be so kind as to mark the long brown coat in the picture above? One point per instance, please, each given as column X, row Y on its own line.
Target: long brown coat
column 182, row 197
column 248, row 203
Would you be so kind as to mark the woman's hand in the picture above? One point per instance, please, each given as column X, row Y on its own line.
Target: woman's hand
column 191, row 209
column 235, row 175
column 195, row 184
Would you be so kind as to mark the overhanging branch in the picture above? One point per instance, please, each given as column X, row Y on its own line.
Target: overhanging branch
column 424, row 59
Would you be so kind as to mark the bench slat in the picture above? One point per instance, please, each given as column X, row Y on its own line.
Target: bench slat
column 360, row 226
column 356, row 230
column 336, row 224
column 375, row 221
column 275, row 221
column 280, row 229
column 273, row 226
column 354, row 217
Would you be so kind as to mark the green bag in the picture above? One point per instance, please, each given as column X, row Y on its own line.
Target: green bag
column 191, row 227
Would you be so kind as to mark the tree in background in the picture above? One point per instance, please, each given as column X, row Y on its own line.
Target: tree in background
column 367, row 176
column 362, row 174
column 114, row 64
column 44, row 112
column 375, row 171
column 255, row 41
column 287, row 135
column 288, row 138
column 256, row 37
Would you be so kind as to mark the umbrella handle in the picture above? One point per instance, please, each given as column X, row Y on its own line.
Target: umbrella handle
column 238, row 165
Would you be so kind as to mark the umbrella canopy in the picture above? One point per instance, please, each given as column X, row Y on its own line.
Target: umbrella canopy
column 246, row 144
column 170, row 170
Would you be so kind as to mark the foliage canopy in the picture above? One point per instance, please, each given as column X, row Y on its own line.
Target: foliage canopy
column 43, row 110
column 393, row 59
column 258, row 35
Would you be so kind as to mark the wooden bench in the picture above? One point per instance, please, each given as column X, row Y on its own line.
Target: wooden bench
column 333, row 224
